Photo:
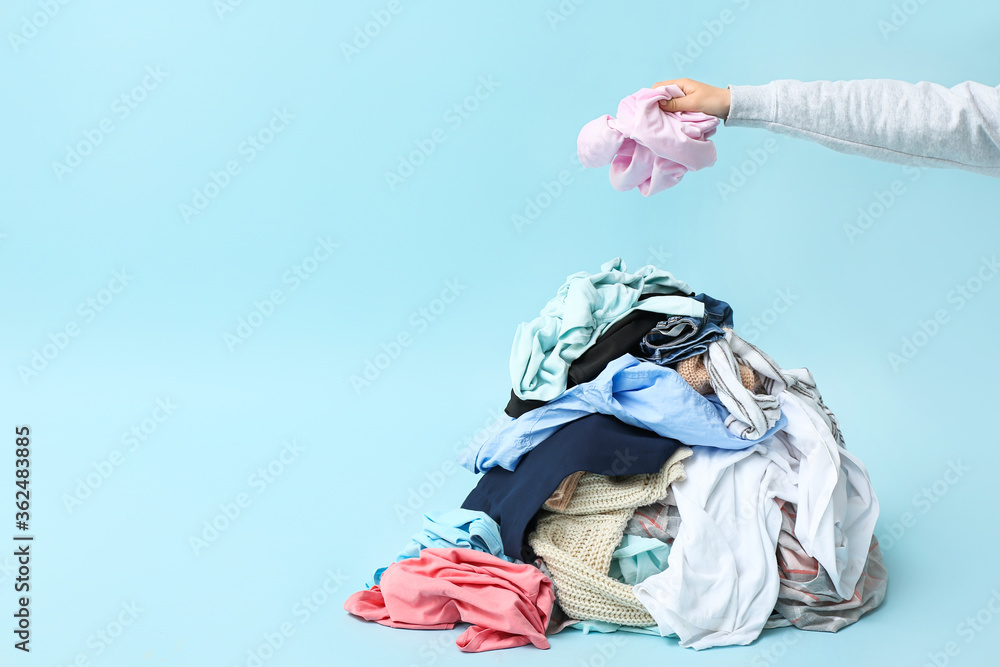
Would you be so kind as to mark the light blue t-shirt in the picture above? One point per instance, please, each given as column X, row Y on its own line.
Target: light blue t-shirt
column 463, row 528
column 637, row 558
column 639, row 393
column 584, row 307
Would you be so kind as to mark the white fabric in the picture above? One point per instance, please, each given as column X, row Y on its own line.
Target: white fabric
column 751, row 415
column 721, row 582
column 837, row 507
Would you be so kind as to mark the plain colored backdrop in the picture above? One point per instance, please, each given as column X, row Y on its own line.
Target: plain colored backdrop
column 155, row 413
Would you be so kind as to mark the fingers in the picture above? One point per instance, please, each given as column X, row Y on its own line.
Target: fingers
column 687, row 86
column 686, row 103
column 699, row 97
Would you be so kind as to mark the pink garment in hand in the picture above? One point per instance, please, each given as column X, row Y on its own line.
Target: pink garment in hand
column 647, row 147
column 507, row 604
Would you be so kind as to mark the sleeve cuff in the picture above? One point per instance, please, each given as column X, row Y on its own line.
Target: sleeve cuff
column 752, row 105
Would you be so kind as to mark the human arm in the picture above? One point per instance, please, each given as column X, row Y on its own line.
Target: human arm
column 923, row 124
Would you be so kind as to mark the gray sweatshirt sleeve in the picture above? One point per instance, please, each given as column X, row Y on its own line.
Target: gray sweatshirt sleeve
column 923, row 124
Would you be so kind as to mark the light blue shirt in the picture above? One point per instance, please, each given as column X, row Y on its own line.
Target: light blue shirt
column 639, row 393
column 463, row 528
column 637, row 558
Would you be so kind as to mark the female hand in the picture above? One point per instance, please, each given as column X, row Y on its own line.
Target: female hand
column 697, row 97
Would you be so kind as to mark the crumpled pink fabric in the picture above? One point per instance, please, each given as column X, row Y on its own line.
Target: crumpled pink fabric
column 508, row 604
column 648, row 148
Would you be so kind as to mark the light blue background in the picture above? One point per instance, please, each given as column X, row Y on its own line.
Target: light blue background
column 334, row 507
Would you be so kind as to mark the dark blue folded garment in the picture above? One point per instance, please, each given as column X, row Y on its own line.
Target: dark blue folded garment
column 596, row 443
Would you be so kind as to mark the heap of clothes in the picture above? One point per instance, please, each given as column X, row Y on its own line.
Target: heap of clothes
column 658, row 474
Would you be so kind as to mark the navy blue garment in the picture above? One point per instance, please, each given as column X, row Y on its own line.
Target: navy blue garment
column 596, row 443
column 623, row 337
column 679, row 337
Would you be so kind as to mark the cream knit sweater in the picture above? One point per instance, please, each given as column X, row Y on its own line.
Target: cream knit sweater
column 577, row 543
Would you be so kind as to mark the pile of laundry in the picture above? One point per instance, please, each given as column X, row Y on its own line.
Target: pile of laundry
column 658, row 474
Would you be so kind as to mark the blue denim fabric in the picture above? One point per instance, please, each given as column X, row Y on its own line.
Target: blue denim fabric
column 639, row 393
column 680, row 337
